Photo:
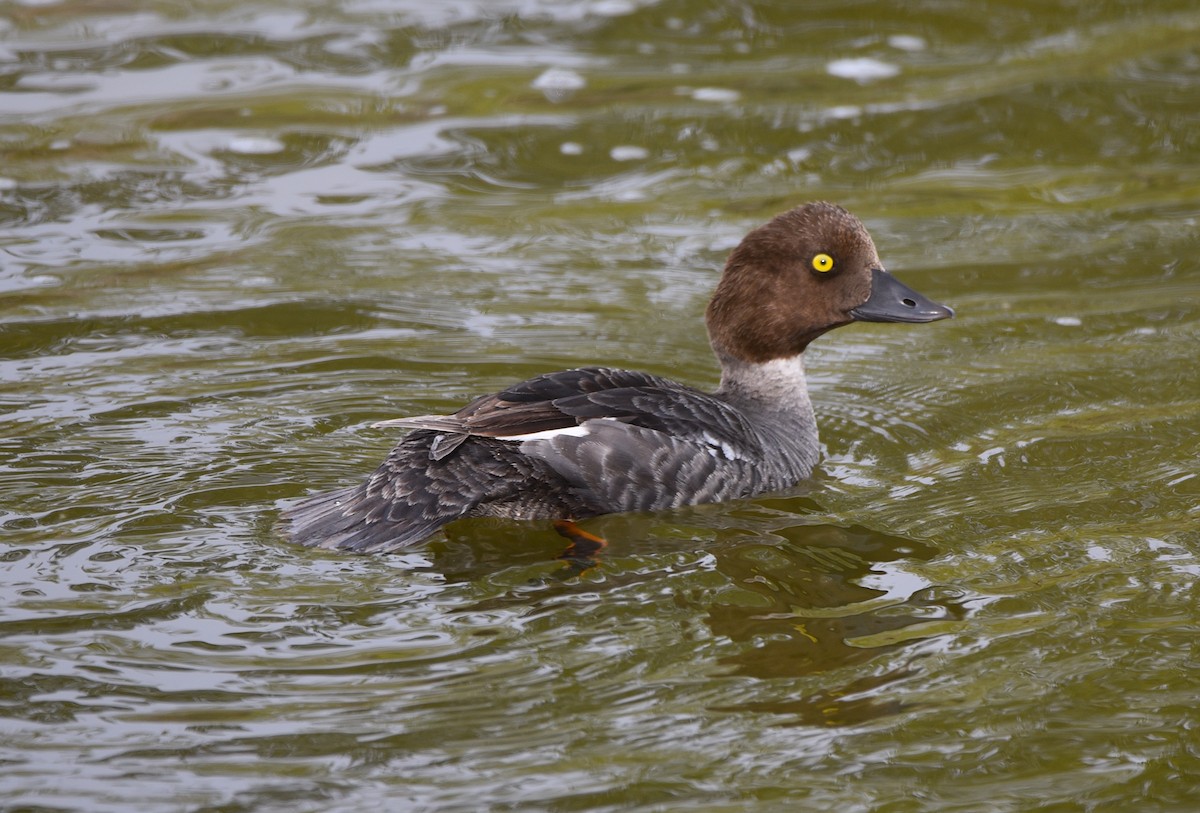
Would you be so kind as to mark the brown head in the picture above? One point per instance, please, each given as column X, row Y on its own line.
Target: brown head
column 806, row 272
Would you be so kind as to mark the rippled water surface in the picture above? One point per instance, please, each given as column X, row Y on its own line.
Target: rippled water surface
column 233, row 235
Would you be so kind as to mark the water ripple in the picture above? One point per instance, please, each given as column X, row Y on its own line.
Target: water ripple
column 236, row 236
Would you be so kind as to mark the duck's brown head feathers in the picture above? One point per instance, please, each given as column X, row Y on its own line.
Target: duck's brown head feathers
column 791, row 280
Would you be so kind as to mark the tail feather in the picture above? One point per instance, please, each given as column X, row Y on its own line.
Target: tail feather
column 336, row 520
column 417, row 490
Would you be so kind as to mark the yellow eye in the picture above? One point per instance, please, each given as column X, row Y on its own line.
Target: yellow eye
column 822, row 263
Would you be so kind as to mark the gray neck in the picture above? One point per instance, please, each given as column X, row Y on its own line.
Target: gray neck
column 775, row 387
column 774, row 395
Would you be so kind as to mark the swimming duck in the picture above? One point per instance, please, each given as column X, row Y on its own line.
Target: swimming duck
column 597, row 440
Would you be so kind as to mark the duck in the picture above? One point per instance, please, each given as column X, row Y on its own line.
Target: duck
column 570, row 445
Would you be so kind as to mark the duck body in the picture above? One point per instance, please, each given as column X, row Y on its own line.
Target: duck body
column 594, row 440
column 576, row 444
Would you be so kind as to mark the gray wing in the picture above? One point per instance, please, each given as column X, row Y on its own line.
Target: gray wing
column 625, row 441
column 568, row 398
column 618, row 466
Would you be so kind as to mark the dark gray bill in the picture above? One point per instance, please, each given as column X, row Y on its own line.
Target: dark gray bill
column 893, row 301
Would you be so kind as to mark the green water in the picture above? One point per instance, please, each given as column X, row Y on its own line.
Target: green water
column 233, row 235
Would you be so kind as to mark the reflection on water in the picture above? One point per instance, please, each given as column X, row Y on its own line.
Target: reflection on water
column 232, row 237
column 799, row 598
column 808, row 607
column 804, row 605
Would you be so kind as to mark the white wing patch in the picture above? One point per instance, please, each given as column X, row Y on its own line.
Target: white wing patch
column 714, row 445
column 547, row 434
column 717, row 445
column 581, row 431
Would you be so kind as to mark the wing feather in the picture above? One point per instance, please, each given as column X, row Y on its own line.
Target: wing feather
column 637, row 429
column 544, row 403
column 613, row 463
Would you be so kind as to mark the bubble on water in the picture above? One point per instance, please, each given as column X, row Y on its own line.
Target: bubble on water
column 1068, row 321
column 570, row 148
column 629, row 153
column 845, row 111
column 612, row 8
column 862, row 69
column 907, row 42
column 7, row 184
column 558, row 84
column 715, row 95
column 255, row 145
